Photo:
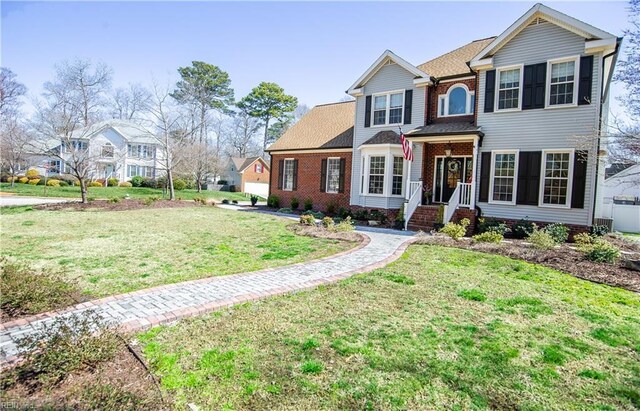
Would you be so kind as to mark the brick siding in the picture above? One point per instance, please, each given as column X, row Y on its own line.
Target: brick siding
column 433, row 93
column 250, row 176
column 432, row 150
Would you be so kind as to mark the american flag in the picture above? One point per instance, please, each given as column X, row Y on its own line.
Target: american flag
column 406, row 147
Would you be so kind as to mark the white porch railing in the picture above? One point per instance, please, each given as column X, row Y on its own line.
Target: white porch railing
column 461, row 196
column 415, row 198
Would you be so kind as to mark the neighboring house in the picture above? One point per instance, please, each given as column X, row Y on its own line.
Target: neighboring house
column 620, row 197
column 248, row 175
column 116, row 148
column 502, row 127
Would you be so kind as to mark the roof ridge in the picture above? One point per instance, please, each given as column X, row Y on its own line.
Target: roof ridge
column 456, row 49
column 332, row 104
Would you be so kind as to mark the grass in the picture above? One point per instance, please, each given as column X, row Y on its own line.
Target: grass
column 111, row 252
column 469, row 331
column 111, row 192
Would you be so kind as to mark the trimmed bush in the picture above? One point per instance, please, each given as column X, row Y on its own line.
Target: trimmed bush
column 361, row 215
column 295, row 203
column 331, row 208
column 307, row 219
column 254, row 200
column 32, row 173
column 456, row 231
column 602, row 251
column 41, row 182
column 53, row 183
column 317, row 214
column 63, row 183
column 328, row 222
column 273, row 201
column 344, row 225
column 225, row 201
column 222, row 182
column 179, row 184
column 308, row 204
column 94, row 184
column 522, row 228
column 558, row 231
column 541, row 239
column 489, row 237
column 582, row 239
column 285, row 210
column 34, row 181
column 598, row 230
column 125, row 184
column 492, row 225
column 112, row 182
column 378, row 215
column 344, row 212
column 137, row 181
column 23, row 180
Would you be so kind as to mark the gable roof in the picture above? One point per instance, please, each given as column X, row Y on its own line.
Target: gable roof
column 621, row 169
column 388, row 55
column 325, row 126
column 241, row 163
column 454, row 63
column 129, row 130
column 599, row 38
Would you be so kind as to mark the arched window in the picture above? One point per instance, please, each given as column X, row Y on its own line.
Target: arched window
column 458, row 101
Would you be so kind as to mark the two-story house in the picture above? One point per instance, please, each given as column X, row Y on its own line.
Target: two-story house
column 503, row 127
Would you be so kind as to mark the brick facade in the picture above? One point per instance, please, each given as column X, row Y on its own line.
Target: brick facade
column 432, row 94
column 249, row 175
column 431, row 150
column 424, row 218
column 309, row 175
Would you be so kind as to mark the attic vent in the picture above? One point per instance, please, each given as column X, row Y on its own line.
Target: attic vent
column 389, row 62
column 537, row 21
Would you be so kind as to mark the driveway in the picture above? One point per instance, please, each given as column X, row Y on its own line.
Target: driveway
column 10, row 200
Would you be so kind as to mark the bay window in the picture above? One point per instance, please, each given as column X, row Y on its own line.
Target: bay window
column 397, row 178
column 376, row 174
column 383, row 171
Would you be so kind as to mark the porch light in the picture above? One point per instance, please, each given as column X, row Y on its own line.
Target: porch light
column 447, row 151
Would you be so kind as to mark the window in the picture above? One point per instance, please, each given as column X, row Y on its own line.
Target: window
column 259, row 168
column 140, row 151
column 458, row 101
column 74, row 145
column 388, row 108
column 509, row 89
column 376, row 174
column 143, row 171
column 333, row 175
column 555, row 184
column 503, row 177
column 287, row 175
column 561, row 86
column 54, row 167
column 107, row 151
column 396, row 183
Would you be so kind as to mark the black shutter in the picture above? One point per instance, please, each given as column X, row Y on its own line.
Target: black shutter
column 579, row 179
column 408, row 103
column 367, row 111
column 585, row 83
column 323, row 175
column 489, row 91
column 534, row 85
column 343, row 164
column 528, row 177
column 295, row 175
column 485, row 175
column 280, row 174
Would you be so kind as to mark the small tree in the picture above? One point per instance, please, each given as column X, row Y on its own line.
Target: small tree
column 14, row 144
column 10, row 93
column 201, row 164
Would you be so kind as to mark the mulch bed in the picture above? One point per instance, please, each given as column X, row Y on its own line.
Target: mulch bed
column 123, row 205
column 564, row 258
column 321, row 232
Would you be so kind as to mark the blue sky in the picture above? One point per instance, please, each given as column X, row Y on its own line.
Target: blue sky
column 314, row 50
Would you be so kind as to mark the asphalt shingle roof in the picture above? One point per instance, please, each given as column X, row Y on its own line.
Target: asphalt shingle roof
column 454, row 62
column 461, row 127
column 384, row 137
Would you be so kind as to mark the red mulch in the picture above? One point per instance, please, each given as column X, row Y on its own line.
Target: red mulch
column 122, row 205
column 564, row 258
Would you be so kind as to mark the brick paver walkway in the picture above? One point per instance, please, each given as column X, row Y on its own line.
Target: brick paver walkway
column 164, row 304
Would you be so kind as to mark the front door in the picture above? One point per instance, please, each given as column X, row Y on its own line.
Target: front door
column 449, row 172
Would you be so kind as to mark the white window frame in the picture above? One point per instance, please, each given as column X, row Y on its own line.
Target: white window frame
column 387, row 109
column 445, row 112
column 384, row 172
column 576, row 74
column 388, row 151
column 515, row 176
column 497, row 88
column 284, row 173
column 402, row 175
column 259, row 168
column 543, row 166
column 326, row 187
column 107, row 146
column 435, row 174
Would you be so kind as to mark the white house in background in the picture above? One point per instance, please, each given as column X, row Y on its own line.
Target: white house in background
column 620, row 198
column 119, row 149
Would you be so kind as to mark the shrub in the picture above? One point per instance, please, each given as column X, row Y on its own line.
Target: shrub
column 456, row 231
column 10, row 179
column 317, row 214
column 114, row 200
column 344, row 212
column 582, row 239
column 331, row 208
column 232, row 188
column 541, row 239
column 137, row 181
column 285, row 210
column 344, row 225
column 361, row 215
column 307, row 219
column 328, row 222
column 94, row 184
column 440, row 214
column 522, row 228
column 53, row 183
column 32, row 173
column 225, row 201
column 63, row 183
column 492, row 225
column 201, row 200
column 598, row 230
column 558, row 231
column 150, row 183
column 489, row 237
column 150, row 200
column 125, row 184
column 34, row 181
column 602, row 251
column 23, row 180
column 254, row 200
column 308, row 204
column 295, row 203
column 112, row 182
column 102, row 181
column 273, row 201
column 378, row 215
column 41, row 182
column 222, row 182
column 25, row 291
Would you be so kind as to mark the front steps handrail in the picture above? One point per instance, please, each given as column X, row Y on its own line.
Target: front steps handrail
column 415, row 198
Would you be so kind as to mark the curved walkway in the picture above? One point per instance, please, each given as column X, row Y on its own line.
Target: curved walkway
column 168, row 303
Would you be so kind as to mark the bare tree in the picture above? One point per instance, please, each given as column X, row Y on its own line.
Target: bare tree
column 242, row 135
column 10, row 92
column 14, row 143
column 202, row 162
column 129, row 103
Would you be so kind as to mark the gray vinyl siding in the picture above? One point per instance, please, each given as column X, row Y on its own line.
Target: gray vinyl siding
column 388, row 78
column 540, row 129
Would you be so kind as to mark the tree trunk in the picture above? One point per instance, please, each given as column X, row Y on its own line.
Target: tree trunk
column 83, row 190
column 172, row 193
column 266, row 133
column 199, row 184
column 13, row 180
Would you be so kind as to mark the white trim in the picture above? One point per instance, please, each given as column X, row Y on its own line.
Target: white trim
column 482, row 64
column 497, row 88
column 421, row 82
column 317, row 150
column 387, row 108
column 435, row 169
column 516, row 152
column 576, row 77
column 445, row 97
column 378, row 64
column 326, row 183
column 453, row 80
column 605, row 45
column 388, row 151
column 443, row 139
column 284, row 173
column 543, row 164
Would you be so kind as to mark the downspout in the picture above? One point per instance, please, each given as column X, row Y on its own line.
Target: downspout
column 614, row 55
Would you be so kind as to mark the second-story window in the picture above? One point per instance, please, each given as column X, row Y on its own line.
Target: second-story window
column 140, row 151
column 388, row 108
column 509, row 89
column 458, row 101
column 74, row 145
column 562, row 77
column 107, row 151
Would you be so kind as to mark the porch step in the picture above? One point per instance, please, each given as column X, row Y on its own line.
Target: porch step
column 423, row 218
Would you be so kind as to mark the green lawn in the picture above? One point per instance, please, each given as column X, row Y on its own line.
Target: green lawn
column 438, row 329
column 110, row 192
column 111, row 252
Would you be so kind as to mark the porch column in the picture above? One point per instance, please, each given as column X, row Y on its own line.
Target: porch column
column 474, row 172
column 407, row 193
